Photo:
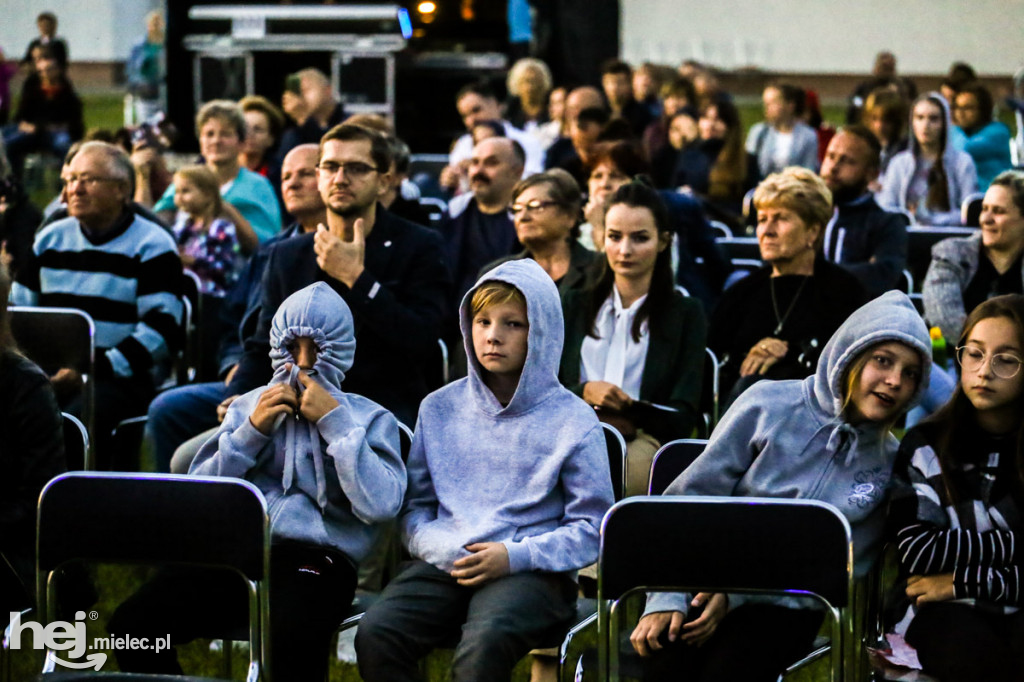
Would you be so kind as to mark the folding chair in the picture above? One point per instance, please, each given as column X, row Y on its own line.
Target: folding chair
column 157, row 519
column 55, row 338
column 970, row 210
column 709, row 393
column 125, row 443
column 76, row 441
column 437, row 210
column 721, row 228
column 616, row 459
column 920, row 241
column 723, row 544
column 671, row 460
column 740, row 247
column 906, row 284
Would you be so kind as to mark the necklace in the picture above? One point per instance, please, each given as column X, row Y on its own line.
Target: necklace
column 775, row 304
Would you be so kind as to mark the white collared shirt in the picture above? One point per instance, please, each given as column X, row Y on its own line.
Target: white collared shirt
column 615, row 357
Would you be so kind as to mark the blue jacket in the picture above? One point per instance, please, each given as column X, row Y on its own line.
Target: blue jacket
column 990, row 149
column 532, row 474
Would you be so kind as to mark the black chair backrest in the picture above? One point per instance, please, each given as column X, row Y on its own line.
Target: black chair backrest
column 671, row 460
column 709, row 397
column 970, row 209
column 152, row 519
column 739, row 247
column 404, row 440
column 725, row 544
column 76, row 442
column 55, row 337
column 616, row 445
column 920, row 241
column 125, row 443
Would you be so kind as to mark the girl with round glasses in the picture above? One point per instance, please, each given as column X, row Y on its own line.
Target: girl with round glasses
column 958, row 509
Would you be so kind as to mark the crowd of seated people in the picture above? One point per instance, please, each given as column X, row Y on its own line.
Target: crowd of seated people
column 575, row 278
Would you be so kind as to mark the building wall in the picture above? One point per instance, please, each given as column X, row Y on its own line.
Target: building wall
column 827, row 36
column 96, row 30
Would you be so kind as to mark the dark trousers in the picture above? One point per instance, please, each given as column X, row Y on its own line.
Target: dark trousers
column 957, row 643
column 755, row 642
column 311, row 592
column 500, row 622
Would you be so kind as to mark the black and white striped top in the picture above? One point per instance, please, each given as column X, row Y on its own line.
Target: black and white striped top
column 976, row 538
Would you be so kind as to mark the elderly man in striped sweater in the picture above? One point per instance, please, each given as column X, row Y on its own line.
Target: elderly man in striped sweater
column 121, row 269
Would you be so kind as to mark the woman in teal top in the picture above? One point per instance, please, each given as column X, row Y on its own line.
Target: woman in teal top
column 220, row 126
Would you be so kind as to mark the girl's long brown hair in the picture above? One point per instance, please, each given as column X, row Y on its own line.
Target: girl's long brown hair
column 953, row 421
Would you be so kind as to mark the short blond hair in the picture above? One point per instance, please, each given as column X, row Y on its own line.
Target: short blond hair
column 492, row 293
column 799, row 190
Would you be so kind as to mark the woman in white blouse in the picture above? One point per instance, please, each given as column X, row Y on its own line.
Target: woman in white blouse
column 634, row 345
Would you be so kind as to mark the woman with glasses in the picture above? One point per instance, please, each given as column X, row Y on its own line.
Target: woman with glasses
column 546, row 211
column 958, row 509
column 964, row 272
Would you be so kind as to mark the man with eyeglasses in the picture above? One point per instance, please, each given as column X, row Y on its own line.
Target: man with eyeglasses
column 121, row 269
column 392, row 273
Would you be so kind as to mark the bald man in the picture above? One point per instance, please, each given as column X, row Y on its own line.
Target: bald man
column 479, row 229
column 177, row 415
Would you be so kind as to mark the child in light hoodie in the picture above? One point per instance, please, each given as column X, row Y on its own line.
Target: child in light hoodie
column 329, row 466
column 508, row 483
column 827, row 438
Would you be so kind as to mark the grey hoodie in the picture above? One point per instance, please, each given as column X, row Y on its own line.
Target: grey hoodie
column 532, row 475
column 961, row 175
column 788, row 439
column 327, row 483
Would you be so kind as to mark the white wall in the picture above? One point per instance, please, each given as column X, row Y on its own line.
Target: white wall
column 827, row 36
column 96, row 30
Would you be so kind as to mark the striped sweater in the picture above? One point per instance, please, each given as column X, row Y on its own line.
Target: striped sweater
column 974, row 539
column 128, row 280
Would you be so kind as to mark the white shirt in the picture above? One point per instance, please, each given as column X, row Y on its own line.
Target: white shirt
column 615, row 357
column 462, row 150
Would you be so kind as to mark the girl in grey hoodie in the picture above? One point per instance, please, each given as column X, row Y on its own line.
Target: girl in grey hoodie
column 823, row 438
column 328, row 464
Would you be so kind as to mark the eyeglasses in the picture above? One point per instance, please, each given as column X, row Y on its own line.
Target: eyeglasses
column 354, row 170
column 87, row 180
column 534, row 206
column 1004, row 365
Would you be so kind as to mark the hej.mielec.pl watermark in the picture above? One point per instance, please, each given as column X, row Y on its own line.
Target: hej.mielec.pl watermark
column 61, row 635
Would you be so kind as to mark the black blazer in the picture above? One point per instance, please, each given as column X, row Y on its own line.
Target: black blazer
column 673, row 369
column 397, row 326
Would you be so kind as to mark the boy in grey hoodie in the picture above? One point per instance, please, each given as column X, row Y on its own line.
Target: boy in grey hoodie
column 508, row 483
column 329, row 466
column 823, row 438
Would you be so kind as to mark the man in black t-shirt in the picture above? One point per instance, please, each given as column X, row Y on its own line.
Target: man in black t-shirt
column 479, row 229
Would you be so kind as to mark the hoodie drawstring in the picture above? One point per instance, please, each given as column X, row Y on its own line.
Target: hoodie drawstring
column 291, row 449
column 843, row 437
